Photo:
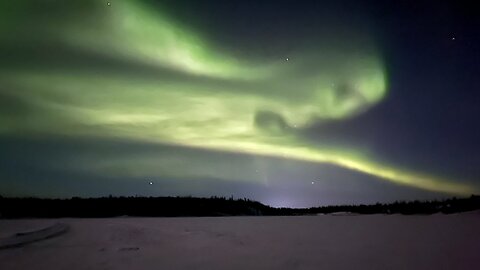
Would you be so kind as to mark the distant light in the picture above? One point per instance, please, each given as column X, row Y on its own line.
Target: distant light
column 286, row 59
column 313, row 182
column 453, row 38
column 108, row 3
column 151, row 183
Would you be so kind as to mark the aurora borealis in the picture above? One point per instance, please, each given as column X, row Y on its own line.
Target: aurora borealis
column 100, row 98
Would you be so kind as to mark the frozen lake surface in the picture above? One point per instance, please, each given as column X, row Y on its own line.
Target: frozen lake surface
column 303, row 242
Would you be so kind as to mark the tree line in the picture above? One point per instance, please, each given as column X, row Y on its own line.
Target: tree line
column 110, row 206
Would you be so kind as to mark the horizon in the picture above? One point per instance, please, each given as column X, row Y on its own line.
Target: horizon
column 231, row 198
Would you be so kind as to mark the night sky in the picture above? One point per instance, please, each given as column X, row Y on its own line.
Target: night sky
column 292, row 103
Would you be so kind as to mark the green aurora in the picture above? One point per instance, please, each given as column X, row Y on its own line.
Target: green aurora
column 128, row 71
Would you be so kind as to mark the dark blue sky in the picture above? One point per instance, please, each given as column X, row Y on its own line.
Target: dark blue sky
column 427, row 123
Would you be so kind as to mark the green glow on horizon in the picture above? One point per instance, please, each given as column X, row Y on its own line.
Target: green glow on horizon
column 212, row 100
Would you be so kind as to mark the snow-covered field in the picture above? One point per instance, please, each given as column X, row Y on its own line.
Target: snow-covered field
column 304, row 242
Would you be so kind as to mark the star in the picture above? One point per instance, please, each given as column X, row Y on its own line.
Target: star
column 286, row 59
column 453, row 38
column 150, row 183
column 108, row 4
column 313, row 182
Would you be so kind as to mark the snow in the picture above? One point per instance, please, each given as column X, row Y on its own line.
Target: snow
column 301, row 242
column 27, row 237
